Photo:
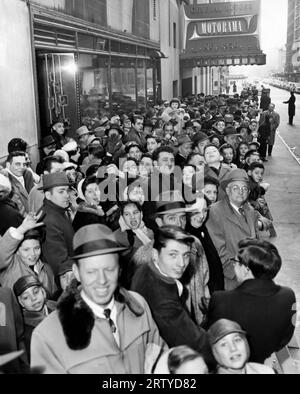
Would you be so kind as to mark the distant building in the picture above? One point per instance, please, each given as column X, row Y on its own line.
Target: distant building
column 292, row 67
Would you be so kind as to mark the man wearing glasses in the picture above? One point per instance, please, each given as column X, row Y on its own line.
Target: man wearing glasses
column 231, row 220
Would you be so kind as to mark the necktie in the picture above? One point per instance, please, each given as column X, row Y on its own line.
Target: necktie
column 107, row 313
column 242, row 212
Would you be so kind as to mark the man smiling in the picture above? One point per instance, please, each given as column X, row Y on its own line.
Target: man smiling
column 99, row 328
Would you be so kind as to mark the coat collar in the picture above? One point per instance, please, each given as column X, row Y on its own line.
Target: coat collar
column 78, row 320
column 49, row 204
column 259, row 287
column 233, row 216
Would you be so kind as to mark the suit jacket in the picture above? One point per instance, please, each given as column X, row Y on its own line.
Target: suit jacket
column 20, row 195
column 227, row 228
column 263, row 309
column 57, row 246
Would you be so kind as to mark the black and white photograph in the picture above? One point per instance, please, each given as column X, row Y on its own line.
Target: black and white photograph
column 149, row 190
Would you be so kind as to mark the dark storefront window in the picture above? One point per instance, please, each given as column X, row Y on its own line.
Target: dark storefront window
column 123, row 84
column 93, row 85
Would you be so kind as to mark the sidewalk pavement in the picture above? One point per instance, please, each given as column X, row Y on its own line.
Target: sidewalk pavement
column 283, row 173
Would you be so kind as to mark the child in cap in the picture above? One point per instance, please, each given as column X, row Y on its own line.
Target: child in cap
column 35, row 307
column 231, row 350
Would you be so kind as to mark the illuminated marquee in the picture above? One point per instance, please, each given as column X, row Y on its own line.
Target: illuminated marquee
column 222, row 34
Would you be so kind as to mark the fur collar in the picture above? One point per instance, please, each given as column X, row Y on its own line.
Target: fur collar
column 77, row 319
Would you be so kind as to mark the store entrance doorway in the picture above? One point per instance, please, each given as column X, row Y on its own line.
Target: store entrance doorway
column 57, row 90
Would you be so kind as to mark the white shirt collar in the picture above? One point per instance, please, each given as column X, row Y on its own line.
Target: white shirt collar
column 235, row 208
column 97, row 309
column 178, row 283
column 18, row 178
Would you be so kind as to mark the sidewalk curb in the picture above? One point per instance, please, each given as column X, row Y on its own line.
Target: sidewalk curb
column 288, row 148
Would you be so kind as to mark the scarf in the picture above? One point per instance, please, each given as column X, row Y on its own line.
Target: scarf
column 141, row 232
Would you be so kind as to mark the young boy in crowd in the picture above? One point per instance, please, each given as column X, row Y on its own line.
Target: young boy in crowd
column 227, row 153
column 257, row 195
column 35, row 306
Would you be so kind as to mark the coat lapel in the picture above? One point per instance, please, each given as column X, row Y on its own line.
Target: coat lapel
column 233, row 217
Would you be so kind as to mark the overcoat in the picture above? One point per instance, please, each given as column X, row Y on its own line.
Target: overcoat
column 71, row 340
column 227, row 228
column 263, row 309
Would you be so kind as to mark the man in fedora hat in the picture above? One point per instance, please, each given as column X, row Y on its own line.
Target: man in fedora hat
column 49, row 165
column 86, row 138
column 231, row 220
column 99, row 327
column 57, row 245
column 184, row 149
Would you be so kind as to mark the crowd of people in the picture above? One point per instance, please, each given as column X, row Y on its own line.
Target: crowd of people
column 135, row 246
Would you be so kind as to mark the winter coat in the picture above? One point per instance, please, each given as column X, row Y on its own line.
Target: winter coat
column 169, row 310
column 292, row 105
column 11, row 330
column 58, row 244
column 12, row 267
column 20, row 194
column 86, row 215
column 227, row 228
column 71, row 340
column 32, row 320
column 10, row 216
column 195, row 279
column 216, row 274
column 36, row 198
column 274, row 121
column 265, row 310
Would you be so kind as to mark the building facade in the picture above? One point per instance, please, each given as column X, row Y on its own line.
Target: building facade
column 74, row 60
column 292, row 67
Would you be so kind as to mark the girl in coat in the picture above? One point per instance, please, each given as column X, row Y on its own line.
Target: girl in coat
column 20, row 255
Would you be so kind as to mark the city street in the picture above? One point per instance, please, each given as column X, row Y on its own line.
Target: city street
column 283, row 173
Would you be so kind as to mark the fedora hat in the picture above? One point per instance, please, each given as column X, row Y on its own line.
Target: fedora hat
column 200, row 137
column 83, row 130
column 237, row 175
column 47, row 141
column 95, row 240
column 184, row 139
column 221, row 329
column 170, row 202
column 55, row 180
column 230, row 131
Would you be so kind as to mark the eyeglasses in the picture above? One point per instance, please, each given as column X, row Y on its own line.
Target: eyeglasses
column 237, row 189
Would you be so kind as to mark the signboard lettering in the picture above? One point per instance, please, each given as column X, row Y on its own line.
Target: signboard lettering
column 223, row 29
